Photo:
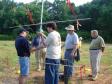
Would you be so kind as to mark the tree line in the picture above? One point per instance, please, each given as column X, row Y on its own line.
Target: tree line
column 100, row 12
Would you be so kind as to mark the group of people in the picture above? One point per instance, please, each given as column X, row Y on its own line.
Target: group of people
column 48, row 52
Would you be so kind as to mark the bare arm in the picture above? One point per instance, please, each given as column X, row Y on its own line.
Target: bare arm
column 33, row 49
column 75, row 46
column 102, row 49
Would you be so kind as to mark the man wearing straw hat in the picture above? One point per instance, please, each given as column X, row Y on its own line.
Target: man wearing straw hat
column 39, row 40
column 71, row 46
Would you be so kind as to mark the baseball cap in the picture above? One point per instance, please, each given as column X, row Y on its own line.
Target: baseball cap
column 22, row 30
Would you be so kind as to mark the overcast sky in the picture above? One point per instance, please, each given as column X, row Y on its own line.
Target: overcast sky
column 77, row 2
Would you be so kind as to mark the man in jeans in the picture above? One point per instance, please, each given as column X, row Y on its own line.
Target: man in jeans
column 53, row 54
column 23, row 51
column 71, row 46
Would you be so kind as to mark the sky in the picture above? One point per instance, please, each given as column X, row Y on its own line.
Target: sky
column 77, row 2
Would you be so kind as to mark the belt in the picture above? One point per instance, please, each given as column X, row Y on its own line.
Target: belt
column 94, row 49
column 69, row 49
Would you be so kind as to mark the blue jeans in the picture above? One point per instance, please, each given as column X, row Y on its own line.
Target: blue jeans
column 52, row 71
column 24, row 66
column 68, row 70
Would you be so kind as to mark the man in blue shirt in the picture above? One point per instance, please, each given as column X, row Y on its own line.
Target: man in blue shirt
column 71, row 46
column 23, row 52
column 38, row 41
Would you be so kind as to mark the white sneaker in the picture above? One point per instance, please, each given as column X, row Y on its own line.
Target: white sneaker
column 94, row 78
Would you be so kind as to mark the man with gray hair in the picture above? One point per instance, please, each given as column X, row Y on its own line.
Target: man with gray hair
column 97, row 46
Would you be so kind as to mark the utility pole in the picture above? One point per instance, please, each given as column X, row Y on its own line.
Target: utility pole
column 41, row 18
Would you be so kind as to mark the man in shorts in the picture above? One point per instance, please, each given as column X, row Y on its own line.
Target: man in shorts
column 23, row 52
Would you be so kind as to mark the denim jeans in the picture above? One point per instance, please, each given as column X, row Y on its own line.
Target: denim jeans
column 52, row 71
column 24, row 66
column 68, row 70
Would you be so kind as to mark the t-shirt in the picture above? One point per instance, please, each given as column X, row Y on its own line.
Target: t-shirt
column 22, row 46
column 35, row 41
column 97, row 43
column 71, row 40
column 38, row 41
column 53, row 43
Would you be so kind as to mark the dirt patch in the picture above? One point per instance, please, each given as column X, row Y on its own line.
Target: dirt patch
column 105, row 77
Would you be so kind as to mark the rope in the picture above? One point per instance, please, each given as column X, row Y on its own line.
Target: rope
column 50, row 22
column 81, row 68
column 57, row 64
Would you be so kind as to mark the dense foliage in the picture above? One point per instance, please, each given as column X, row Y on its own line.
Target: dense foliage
column 14, row 14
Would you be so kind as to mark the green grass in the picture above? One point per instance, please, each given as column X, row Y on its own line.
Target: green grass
column 106, row 57
column 9, row 58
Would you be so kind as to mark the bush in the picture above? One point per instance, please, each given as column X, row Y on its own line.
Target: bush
column 6, row 37
column 63, row 35
column 85, row 35
column 15, row 32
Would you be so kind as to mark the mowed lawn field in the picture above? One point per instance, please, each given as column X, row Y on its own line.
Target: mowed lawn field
column 9, row 61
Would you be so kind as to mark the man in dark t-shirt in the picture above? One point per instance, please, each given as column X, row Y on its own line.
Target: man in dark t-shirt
column 23, row 51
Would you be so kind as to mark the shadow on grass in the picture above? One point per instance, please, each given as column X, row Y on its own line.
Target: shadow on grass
column 36, row 80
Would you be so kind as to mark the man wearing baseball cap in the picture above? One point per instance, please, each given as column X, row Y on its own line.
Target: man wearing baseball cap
column 23, row 51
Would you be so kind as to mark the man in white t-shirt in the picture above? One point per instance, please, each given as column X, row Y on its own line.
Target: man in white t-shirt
column 71, row 46
column 53, row 54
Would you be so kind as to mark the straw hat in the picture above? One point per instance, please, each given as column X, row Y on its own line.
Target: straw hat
column 70, row 27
